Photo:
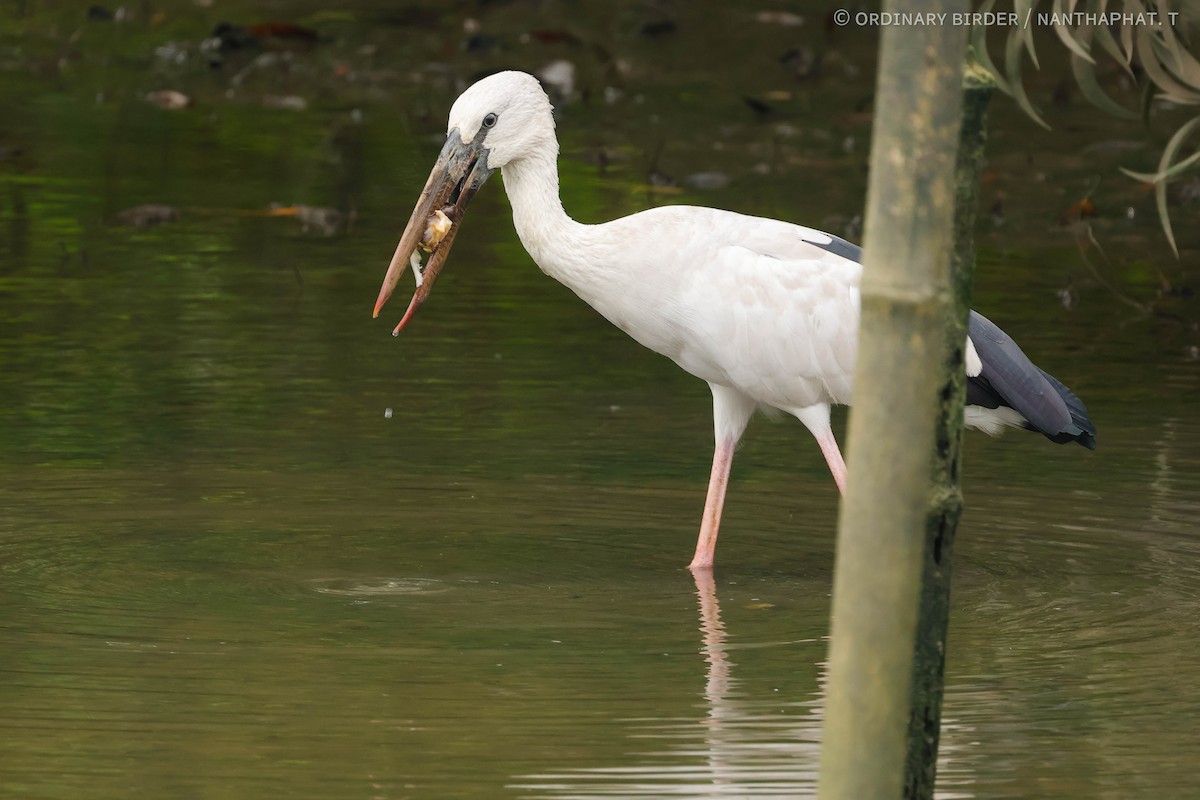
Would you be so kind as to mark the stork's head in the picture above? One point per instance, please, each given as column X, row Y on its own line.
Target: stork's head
column 508, row 114
column 495, row 122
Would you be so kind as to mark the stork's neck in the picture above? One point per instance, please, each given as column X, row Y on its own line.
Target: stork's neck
column 556, row 242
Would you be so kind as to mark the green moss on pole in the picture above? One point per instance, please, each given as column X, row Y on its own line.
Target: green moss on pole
column 945, row 498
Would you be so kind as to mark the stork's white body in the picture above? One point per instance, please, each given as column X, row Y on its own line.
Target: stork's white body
column 741, row 302
column 764, row 311
column 748, row 304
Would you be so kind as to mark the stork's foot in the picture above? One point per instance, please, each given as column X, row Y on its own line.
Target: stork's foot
column 706, row 547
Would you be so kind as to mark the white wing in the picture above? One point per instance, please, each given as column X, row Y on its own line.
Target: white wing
column 745, row 302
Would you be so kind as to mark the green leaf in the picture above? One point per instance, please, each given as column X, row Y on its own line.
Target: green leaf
column 1174, row 172
column 1064, row 32
column 1165, row 169
column 1181, row 62
column 1024, row 9
column 1103, row 37
column 979, row 48
column 1085, row 77
column 1012, row 61
column 1170, row 88
column 1127, row 42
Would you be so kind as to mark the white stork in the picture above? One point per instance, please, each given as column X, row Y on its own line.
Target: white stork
column 766, row 312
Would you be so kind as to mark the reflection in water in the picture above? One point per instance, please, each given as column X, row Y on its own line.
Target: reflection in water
column 740, row 747
column 748, row 749
column 1174, row 507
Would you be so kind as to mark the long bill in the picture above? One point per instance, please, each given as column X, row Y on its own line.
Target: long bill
column 461, row 168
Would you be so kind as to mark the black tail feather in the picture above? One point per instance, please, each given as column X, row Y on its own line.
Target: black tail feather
column 1082, row 429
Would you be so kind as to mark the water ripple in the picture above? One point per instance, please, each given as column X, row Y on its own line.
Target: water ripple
column 378, row 587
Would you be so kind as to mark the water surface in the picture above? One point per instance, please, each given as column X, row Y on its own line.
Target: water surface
column 253, row 546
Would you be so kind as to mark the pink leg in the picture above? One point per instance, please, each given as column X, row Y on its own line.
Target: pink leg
column 816, row 419
column 706, row 545
column 833, row 457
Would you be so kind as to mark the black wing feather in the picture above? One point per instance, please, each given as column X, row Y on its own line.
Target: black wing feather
column 1081, row 429
column 839, row 246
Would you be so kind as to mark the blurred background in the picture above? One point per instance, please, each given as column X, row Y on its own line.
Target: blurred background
column 252, row 545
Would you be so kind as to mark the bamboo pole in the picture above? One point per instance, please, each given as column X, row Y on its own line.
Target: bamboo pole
column 905, row 298
column 945, row 499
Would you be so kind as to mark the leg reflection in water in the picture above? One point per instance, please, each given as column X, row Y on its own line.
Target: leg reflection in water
column 749, row 739
column 752, row 746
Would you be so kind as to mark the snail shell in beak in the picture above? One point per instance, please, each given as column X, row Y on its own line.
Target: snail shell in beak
column 436, row 228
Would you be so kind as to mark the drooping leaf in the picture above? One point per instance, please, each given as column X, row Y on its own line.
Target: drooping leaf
column 1174, row 171
column 1165, row 169
column 1103, row 37
column 979, row 48
column 1171, row 70
column 1085, row 77
column 1127, row 41
column 1024, row 9
column 1178, row 59
column 1012, row 63
column 1066, row 35
column 1170, row 88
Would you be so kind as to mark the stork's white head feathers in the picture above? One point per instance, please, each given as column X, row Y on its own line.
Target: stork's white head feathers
column 523, row 122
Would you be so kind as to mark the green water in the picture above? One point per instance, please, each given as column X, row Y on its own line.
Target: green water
column 252, row 546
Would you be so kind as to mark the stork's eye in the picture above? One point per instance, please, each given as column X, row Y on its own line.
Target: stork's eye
column 489, row 120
